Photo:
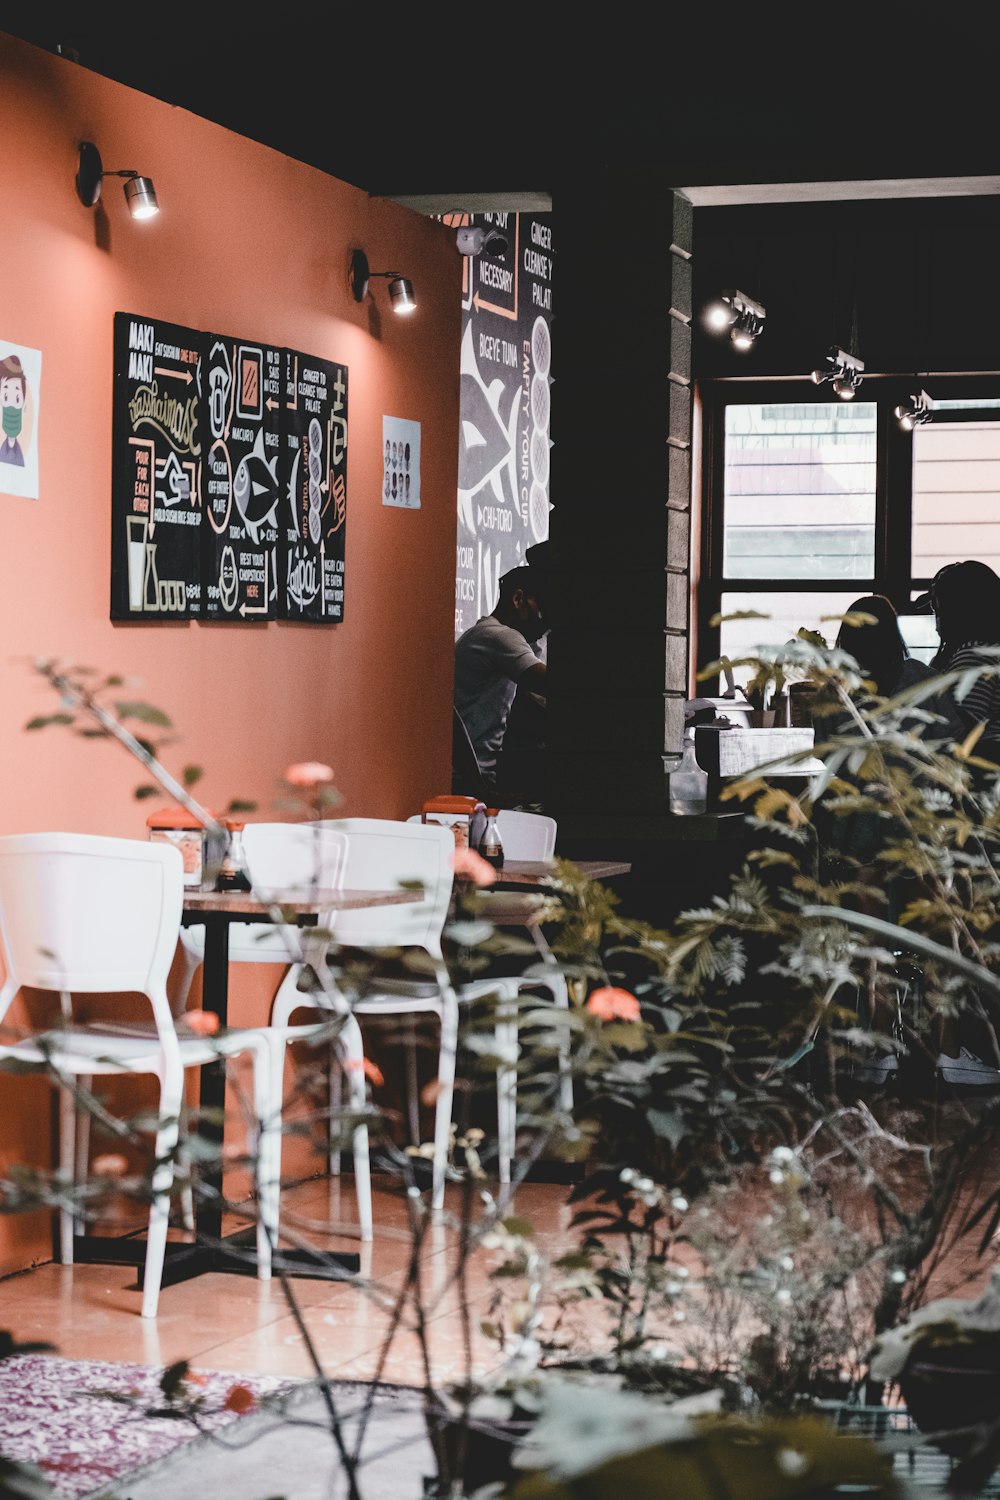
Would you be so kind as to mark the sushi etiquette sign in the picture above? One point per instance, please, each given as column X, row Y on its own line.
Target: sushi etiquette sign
column 229, row 478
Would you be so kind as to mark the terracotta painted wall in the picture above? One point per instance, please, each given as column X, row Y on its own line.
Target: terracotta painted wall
column 247, row 241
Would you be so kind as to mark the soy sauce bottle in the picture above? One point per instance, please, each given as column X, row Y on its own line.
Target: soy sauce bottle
column 232, row 874
column 491, row 847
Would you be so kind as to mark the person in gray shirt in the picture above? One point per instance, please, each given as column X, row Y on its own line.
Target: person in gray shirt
column 493, row 657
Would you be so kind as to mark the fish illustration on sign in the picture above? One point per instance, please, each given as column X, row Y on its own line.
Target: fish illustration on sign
column 487, row 453
column 255, row 488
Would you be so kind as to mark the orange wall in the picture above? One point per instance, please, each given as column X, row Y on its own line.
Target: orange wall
column 247, row 242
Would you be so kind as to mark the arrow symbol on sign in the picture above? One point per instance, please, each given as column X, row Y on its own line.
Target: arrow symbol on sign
column 184, row 375
column 257, row 609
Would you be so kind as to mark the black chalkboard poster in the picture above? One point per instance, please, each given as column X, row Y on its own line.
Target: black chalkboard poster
column 311, row 543
column 156, row 485
column 243, row 489
column 506, row 372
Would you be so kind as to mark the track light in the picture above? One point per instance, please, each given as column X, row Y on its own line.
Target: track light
column 915, row 412
column 472, row 240
column 740, row 314
column 401, row 293
column 140, row 194
column 845, row 371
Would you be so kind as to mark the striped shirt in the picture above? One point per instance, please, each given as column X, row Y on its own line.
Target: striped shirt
column 981, row 704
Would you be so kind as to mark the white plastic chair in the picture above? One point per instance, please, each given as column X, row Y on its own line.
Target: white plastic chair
column 528, row 835
column 384, row 853
column 81, row 913
column 286, row 857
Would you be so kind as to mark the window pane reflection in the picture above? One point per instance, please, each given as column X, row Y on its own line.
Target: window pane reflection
column 800, row 490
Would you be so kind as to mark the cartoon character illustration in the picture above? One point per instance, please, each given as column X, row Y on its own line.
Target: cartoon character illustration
column 13, row 393
column 255, row 488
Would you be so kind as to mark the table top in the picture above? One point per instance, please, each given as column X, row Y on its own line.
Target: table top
column 537, row 871
column 295, row 901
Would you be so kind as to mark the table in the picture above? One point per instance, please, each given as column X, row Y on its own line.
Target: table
column 211, row 1250
column 538, row 871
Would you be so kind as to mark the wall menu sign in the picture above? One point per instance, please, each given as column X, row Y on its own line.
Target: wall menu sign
column 312, row 550
column 506, row 376
column 229, row 478
column 156, row 484
column 243, row 488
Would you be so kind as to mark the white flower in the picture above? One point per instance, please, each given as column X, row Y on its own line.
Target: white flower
column 791, row 1462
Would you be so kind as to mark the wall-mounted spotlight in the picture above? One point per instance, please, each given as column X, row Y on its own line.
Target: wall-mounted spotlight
column 140, row 194
column 740, row 314
column 401, row 293
column 915, row 412
column 845, row 370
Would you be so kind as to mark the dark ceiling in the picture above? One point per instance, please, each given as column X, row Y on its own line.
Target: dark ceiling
column 455, row 102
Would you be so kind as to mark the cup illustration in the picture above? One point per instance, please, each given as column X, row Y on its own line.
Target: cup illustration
column 136, row 560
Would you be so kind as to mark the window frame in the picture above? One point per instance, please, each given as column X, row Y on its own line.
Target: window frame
column 892, row 574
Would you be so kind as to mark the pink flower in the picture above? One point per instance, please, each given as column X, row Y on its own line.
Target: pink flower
column 612, row 1004
column 204, row 1022
column 239, row 1398
column 111, row 1164
column 371, row 1070
column 308, row 773
column 467, row 863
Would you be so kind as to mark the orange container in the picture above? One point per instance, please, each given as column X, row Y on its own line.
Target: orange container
column 456, row 813
column 175, row 825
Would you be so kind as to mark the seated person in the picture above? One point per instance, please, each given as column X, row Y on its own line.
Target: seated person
column 501, row 651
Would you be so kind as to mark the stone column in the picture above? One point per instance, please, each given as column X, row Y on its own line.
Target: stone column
column 620, row 487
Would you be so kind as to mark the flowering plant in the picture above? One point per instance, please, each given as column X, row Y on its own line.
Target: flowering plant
column 747, row 1220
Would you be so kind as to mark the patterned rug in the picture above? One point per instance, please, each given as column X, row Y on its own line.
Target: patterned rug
column 83, row 1423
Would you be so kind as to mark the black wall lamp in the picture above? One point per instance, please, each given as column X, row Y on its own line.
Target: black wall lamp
column 140, row 194
column 740, row 314
column 401, row 293
column 915, row 412
column 845, row 370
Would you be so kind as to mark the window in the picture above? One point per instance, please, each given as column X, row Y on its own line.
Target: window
column 811, row 502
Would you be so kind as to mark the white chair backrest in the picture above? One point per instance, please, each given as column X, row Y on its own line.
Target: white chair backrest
column 284, row 856
column 89, row 914
column 527, row 835
column 382, row 855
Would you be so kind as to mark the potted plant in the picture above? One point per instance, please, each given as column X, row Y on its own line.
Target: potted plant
column 712, row 1064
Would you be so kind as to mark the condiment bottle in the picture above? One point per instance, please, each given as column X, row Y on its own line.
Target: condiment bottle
column 233, row 871
column 689, row 783
column 491, row 847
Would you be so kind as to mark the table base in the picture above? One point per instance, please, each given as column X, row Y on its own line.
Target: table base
column 235, row 1254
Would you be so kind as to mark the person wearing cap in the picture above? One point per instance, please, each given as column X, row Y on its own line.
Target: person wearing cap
column 501, row 652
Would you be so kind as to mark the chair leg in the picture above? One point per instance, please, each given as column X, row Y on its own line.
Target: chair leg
column 268, row 1079
column 162, row 1181
column 81, row 1162
column 353, row 1052
column 190, row 966
column 67, row 1167
column 336, row 1095
column 412, row 1078
column 443, row 1108
column 506, row 1035
column 555, row 981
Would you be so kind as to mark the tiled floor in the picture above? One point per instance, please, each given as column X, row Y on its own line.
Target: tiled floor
column 236, row 1323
